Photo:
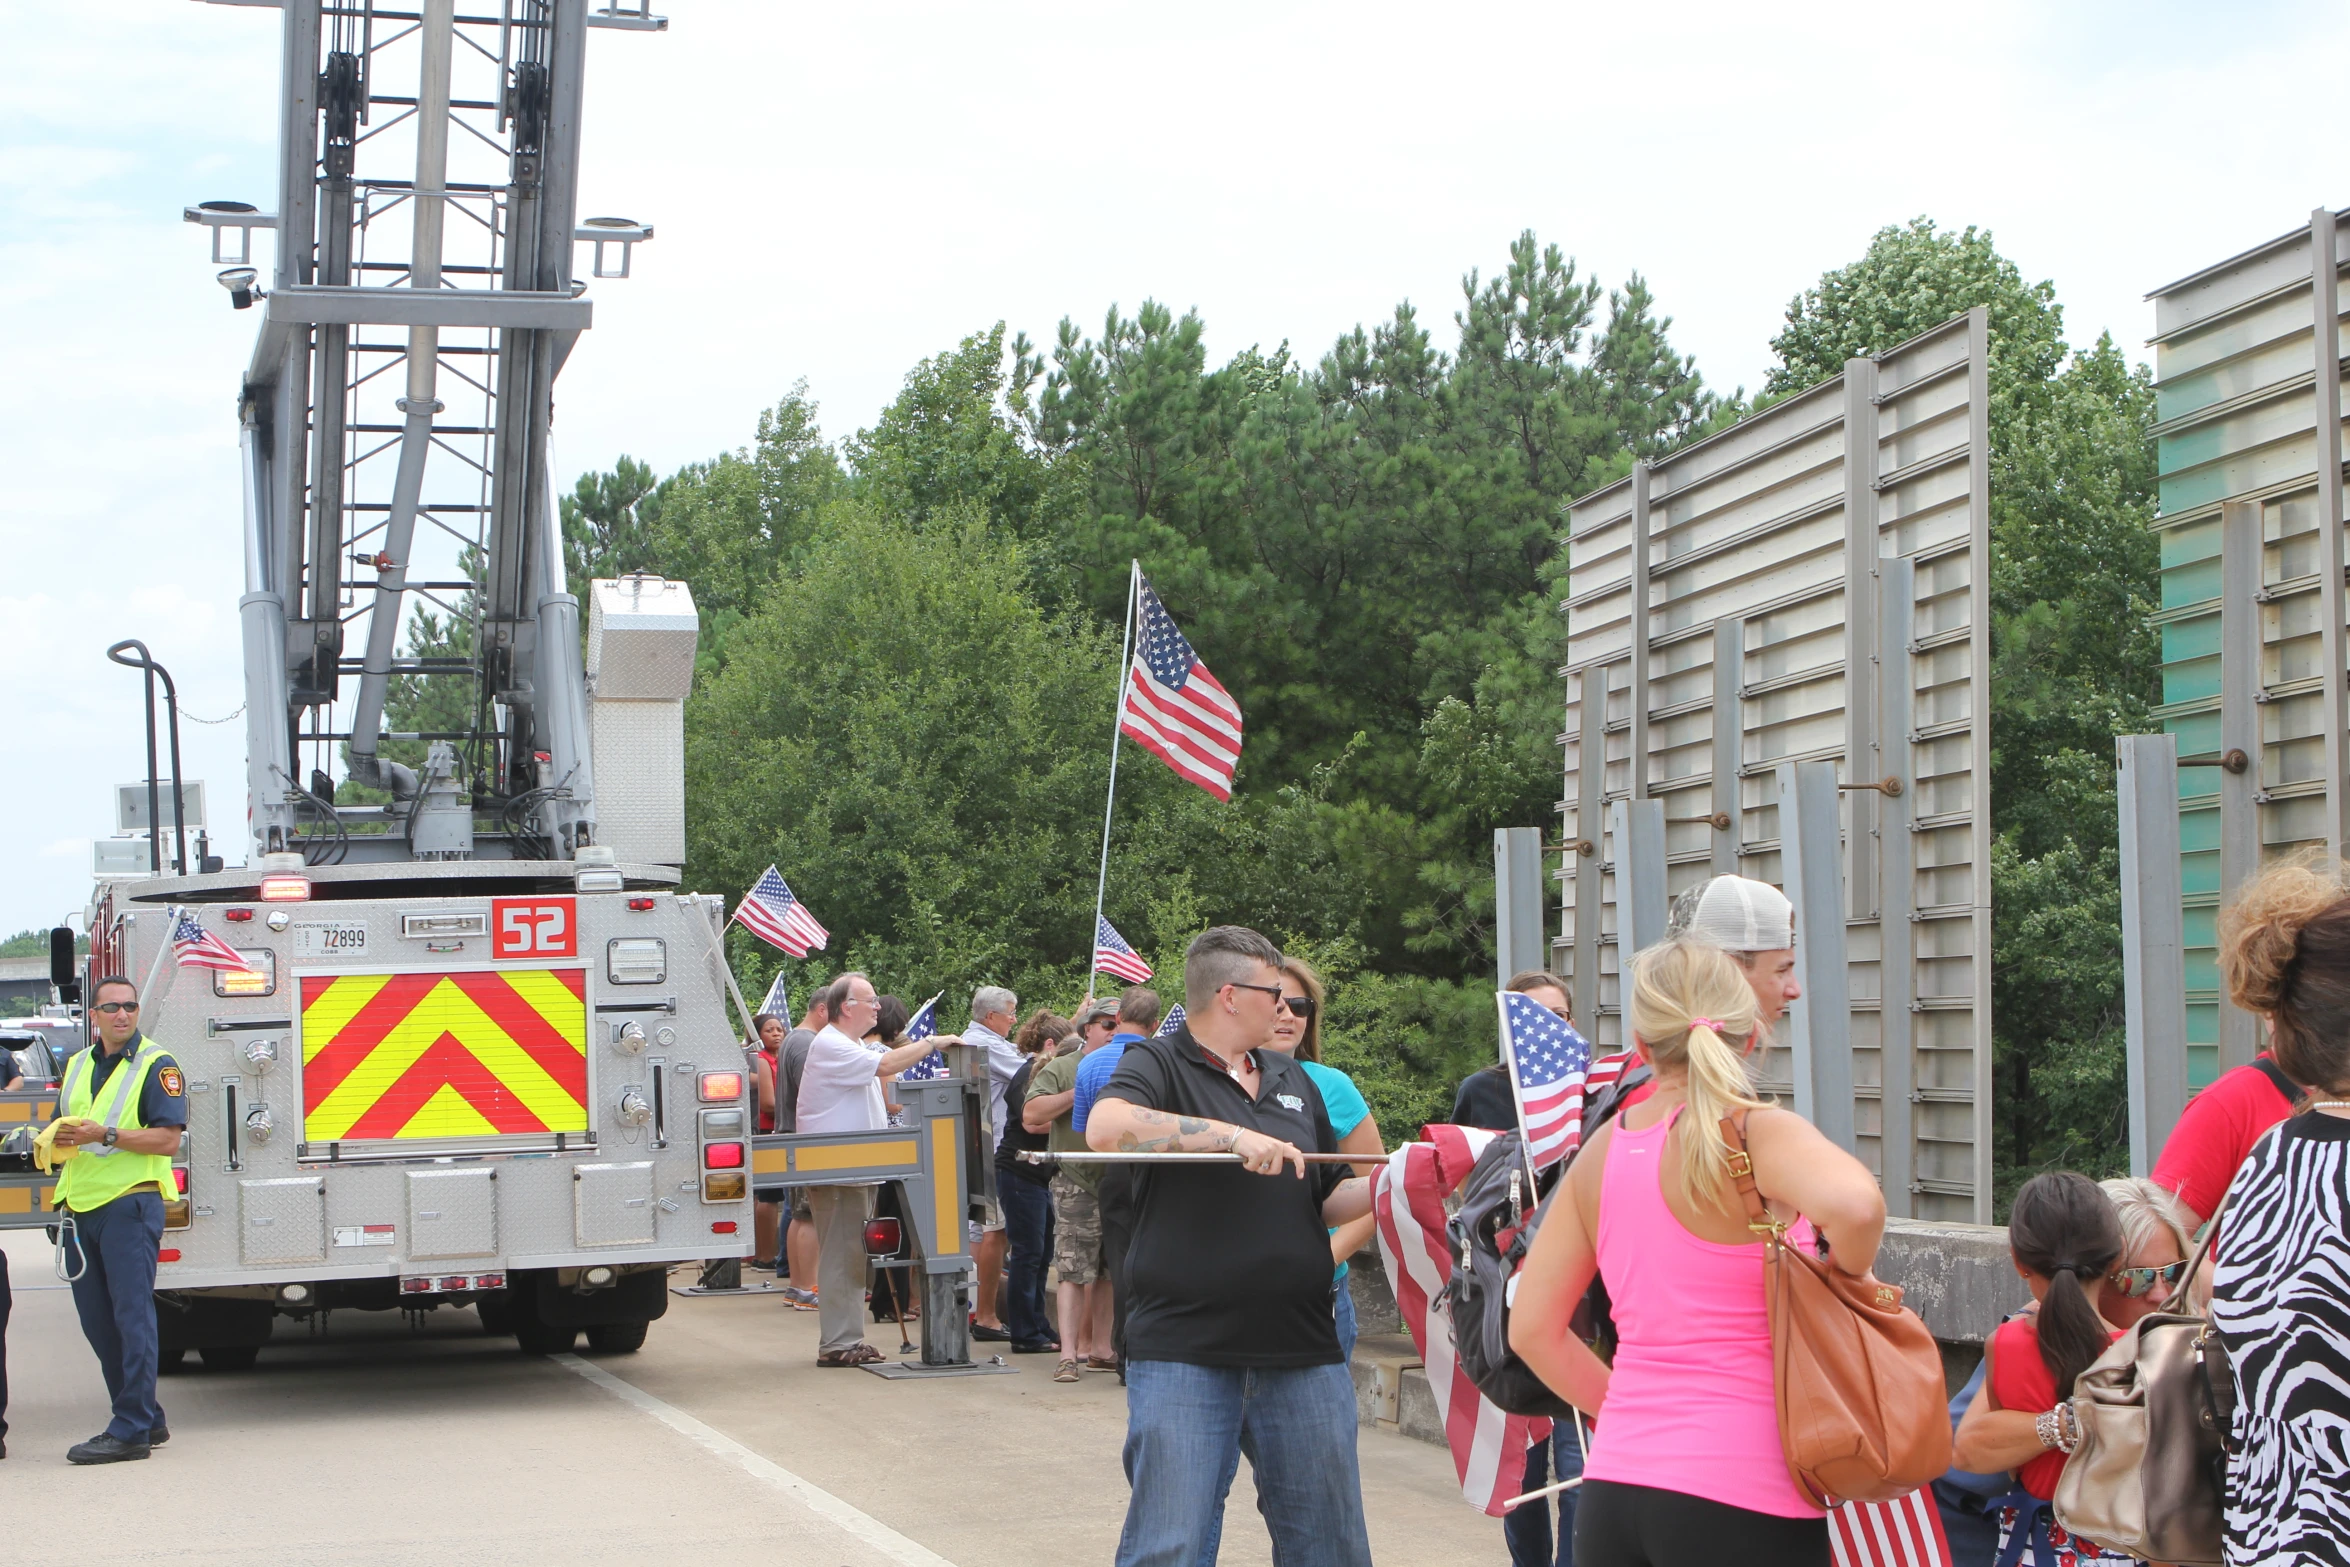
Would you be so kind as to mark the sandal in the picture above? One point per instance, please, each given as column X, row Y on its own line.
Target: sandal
column 1068, row 1371
column 1101, row 1363
column 855, row 1355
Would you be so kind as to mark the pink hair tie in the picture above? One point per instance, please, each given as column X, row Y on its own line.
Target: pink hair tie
column 1705, row 1022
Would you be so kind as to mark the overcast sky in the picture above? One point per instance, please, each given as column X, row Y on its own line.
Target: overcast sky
column 841, row 190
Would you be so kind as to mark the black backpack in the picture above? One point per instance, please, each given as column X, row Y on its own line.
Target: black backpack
column 1501, row 1209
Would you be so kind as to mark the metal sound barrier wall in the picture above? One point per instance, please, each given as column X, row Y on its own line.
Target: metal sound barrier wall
column 2249, row 448
column 1808, row 587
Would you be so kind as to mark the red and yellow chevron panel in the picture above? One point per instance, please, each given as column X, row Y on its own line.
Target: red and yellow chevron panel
column 391, row 1056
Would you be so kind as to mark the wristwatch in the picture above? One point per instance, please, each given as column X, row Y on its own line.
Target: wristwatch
column 108, row 1139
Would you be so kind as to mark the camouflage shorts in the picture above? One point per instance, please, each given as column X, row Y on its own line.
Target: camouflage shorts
column 1077, row 1232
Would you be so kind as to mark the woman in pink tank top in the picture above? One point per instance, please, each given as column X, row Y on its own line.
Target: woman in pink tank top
column 1685, row 1460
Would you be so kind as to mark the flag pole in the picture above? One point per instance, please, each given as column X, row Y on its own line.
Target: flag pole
column 1101, row 885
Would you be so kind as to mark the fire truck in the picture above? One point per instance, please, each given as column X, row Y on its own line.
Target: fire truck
column 480, row 1052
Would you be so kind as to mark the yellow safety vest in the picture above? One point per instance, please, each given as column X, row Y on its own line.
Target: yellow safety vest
column 98, row 1174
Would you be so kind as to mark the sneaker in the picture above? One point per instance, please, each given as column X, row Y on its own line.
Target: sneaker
column 160, row 1435
column 104, row 1449
column 799, row 1299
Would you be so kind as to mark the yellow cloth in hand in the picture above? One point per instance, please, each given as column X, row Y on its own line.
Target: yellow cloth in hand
column 47, row 1156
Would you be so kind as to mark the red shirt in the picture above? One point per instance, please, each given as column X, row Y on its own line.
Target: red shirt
column 2020, row 1379
column 2215, row 1132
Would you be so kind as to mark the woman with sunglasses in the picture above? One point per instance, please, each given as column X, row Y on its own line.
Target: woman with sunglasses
column 1297, row 1031
column 2155, row 1248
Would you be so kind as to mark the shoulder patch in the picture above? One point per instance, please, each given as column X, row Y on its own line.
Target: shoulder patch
column 173, row 1083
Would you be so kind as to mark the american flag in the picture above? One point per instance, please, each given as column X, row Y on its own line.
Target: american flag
column 922, row 1025
column 778, row 1002
column 779, row 919
column 1905, row 1532
column 1548, row 1061
column 1174, row 708
column 192, row 946
column 1111, row 955
column 1173, row 1021
column 1407, row 1196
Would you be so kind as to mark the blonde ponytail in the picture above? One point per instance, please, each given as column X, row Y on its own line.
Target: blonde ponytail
column 1689, row 1002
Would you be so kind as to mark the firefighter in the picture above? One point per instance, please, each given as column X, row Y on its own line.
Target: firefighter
column 130, row 1104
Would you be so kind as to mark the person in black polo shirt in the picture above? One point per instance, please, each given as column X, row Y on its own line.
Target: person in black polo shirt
column 1230, row 1345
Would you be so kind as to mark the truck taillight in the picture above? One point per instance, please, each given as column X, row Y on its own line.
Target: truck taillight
column 723, row 1188
column 640, row 905
column 168, row 1254
column 285, row 889
column 179, row 1178
column 722, row 1156
column 718, row 1087
column 882, row 1238
column 236, row 916
column 722, row 1227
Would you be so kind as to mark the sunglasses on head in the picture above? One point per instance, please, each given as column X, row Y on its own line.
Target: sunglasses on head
column 2139, row 1282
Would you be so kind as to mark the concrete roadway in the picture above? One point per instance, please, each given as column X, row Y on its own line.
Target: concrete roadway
column 719, row 1442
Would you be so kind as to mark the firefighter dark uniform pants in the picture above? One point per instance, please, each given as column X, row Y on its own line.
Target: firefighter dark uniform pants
column 115, row 1295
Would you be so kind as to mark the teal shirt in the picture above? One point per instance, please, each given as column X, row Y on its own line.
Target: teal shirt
column 1343, row 1100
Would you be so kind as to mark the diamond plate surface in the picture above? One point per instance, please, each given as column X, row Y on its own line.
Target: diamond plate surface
column 612, row 1204
column 453, row 1213
column 282, row 1220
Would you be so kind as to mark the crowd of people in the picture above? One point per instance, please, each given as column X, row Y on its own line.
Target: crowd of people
column 1217, row 1295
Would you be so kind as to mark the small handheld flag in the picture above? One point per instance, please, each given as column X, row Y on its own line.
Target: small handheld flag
column 920, row 1026
column 1547, row 1061
column 1111, row 955
column 192, row 946
column 778, row 1002
column 1174, row 708
column 1174, row 1021
column 770, row 912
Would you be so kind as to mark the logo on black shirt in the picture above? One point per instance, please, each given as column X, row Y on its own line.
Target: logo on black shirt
column 1290, row 1101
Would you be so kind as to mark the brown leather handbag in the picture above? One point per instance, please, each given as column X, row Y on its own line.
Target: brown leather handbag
column 1864, row 1414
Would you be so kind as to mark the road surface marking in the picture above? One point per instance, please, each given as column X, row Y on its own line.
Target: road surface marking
column 815, row 1498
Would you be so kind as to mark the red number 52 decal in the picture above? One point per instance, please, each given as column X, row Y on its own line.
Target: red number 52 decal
column 533, row 928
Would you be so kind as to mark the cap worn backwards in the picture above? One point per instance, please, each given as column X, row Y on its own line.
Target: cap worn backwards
column 1737, row 915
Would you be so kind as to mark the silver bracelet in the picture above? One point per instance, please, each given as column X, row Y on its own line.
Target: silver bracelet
column 2044, row 1427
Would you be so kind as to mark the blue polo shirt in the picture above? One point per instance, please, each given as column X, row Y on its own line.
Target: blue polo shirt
column 1093, row 1075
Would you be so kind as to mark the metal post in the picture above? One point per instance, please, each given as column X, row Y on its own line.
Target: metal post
column 1520, row 939
column 1862, row 762
column 1819, row 1029
column 1896, row 889
column 1636, row 842
column 2154, row 978
column 2239, row 730
column 1637, row 755
column 1590, row 806
column 2325, row 323
column 1729, row 739
column 1978, row 348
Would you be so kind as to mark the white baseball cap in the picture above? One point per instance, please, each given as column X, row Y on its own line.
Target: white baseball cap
column 1737, row 915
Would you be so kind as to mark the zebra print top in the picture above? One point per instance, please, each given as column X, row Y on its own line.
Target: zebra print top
column 2281, row 1300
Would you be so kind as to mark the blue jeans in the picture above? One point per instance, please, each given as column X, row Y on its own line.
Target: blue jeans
column 1028, row 1220
column 1344, row 1311
column 1186, row 1429
column 1527, row 1528
column 115, row 1295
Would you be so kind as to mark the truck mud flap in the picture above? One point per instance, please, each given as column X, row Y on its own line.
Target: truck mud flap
column 632, row 1297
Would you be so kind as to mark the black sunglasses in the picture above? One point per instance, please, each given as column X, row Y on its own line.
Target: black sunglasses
column 1299, row 1006
column 112, row 1007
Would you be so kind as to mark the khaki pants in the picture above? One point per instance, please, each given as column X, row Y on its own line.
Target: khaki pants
column 840, row 1213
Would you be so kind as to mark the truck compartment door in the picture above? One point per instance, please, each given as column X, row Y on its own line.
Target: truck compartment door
column 452, row 1213
column 281, row 1220
column 612, row 1204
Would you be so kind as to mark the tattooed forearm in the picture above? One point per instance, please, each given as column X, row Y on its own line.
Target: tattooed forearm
column 1155, row 1131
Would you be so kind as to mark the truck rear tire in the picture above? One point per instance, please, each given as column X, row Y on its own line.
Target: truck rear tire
column 230, row 1357
column 617, row 1338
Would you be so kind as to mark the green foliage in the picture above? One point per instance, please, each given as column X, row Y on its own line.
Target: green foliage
column 2073, row 659
column 35, row 944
